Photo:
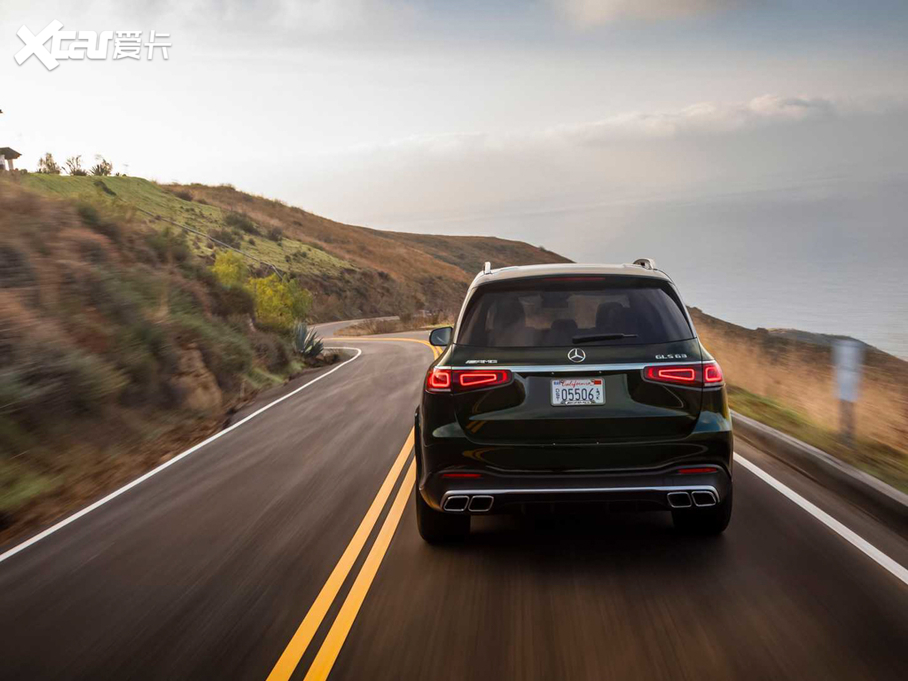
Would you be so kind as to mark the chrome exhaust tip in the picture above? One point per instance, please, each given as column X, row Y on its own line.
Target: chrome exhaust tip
column 456, row 503
column 704, row 499
column 481, row 503
column 679, row 499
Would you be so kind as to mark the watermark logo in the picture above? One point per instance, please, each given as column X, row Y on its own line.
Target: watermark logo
column 79, row 45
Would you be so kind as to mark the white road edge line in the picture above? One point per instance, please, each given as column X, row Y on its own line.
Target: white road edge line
column 154, row 471
column 851, row 537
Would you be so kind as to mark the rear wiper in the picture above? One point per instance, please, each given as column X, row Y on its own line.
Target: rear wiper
column 592, row 337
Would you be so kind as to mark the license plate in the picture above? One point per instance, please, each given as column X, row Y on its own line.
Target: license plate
column 571, row 392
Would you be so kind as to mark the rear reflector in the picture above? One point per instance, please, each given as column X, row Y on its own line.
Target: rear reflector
column 461, row 475
column 695, row 471
column 708, row 374
column 444, row 380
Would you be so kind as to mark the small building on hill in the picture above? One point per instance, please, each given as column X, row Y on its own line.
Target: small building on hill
column 7, row 156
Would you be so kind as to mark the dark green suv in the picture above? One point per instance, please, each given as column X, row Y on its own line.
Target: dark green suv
column 572, row 383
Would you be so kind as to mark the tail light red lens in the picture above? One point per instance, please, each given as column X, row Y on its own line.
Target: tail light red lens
column 484, row 378
column 684, row 375
column 460, row 380
column 438, row 380
column 707, row 375
column 712, row 374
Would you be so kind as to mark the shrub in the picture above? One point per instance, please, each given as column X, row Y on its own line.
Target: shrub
column 48, row 165
column 279, row 304
column 306, row 342
column 93, row 219
column 169, row 244
column 15, row 269
column 276, row 234
column 103, row 167
column 231, row 301
column 227, row 353
column 225, row 236
column 58, row 380
column 242, row 222
column 230, row 269
column 74, row 166
column 272, row 350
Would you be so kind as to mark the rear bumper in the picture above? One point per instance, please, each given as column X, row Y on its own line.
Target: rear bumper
column 629, row 476
column 493, row 493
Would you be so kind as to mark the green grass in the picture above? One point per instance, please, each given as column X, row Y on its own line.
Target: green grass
column 871, row 456
column 18, row 485
column 119, row 194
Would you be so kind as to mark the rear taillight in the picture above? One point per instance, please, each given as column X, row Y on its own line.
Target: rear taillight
column 485, row 378
column 712, row 374
column 709, row 374
column 438, row 380
column 460, row 380
column 683, row 375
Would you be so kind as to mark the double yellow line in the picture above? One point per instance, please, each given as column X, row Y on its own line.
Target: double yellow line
column 337, row 634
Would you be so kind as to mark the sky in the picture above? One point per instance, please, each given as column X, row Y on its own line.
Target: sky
column 726, row 132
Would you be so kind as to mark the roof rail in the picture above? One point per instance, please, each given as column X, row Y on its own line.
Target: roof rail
column 646, row 263
column 487, row 268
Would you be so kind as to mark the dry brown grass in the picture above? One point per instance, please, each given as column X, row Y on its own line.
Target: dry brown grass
column 800, row 376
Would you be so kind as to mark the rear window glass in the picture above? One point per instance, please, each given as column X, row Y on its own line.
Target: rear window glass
column 541, row 313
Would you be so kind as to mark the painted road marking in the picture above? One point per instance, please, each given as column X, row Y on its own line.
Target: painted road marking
column 310, row 624
column 355, row 339
column 337, row 635
column 295, row 650
column 851, row 537
column 179, row 457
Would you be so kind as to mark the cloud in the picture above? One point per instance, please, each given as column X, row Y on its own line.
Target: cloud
column 700, row 119
column 299, row 16
column 704, row 118
column 589, row 13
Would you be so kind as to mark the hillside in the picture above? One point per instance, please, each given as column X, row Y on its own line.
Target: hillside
column 353, row 271
column 119, row 344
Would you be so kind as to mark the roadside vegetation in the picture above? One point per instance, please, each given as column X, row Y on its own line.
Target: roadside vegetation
column 120, row 345
column 788, row 382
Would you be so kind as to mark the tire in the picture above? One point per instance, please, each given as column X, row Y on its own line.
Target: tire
column 437, row 527
column 705, row 521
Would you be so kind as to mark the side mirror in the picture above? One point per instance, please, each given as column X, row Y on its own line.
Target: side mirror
column 441, row 337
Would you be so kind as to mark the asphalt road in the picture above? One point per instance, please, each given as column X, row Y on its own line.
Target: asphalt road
column 287, row 548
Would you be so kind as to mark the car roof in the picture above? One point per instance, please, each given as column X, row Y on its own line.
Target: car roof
column 569, row 269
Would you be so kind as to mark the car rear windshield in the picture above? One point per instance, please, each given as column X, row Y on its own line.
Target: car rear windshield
column 575, row 311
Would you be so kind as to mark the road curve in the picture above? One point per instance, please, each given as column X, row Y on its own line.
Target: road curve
column 301, row 520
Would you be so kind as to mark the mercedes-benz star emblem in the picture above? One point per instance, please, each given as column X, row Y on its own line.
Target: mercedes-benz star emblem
column 576, row 355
